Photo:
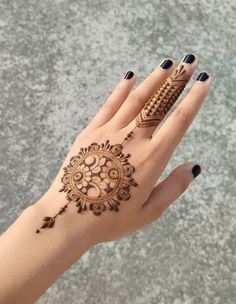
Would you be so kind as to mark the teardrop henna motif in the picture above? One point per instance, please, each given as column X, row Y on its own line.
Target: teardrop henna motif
column 96, row 179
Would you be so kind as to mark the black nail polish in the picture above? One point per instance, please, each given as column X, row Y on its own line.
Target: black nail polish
column 189, row 58
column 196, row 170
column 166, row 64
column 129, row 75
column 202, row 76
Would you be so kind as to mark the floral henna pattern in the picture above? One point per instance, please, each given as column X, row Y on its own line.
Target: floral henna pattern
column 96, row 179
column 99, row 177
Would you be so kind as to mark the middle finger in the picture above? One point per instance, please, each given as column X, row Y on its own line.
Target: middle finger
column 161, row 102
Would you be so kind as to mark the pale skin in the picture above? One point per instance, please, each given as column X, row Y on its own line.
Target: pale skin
column 30, row 262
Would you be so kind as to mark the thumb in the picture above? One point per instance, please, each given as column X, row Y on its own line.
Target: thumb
column 167, row 191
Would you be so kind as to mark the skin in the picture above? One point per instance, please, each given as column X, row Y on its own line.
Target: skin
column 31, row 262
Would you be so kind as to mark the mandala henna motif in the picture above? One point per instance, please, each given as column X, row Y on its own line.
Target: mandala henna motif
column 162, row 100
column 98, row 178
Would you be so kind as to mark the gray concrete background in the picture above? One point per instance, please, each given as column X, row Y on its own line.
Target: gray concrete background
column 59, row 60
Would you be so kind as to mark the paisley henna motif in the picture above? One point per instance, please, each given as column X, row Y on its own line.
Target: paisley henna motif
column 162, row 100
column 96, row 179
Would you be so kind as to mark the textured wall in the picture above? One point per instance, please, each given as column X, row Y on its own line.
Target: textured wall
column 59, row 60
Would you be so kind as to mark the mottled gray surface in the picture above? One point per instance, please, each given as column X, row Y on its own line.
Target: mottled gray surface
column 58, row 62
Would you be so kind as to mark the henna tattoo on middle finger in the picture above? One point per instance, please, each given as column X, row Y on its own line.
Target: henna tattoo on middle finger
column 159, row 104
column 99, row 177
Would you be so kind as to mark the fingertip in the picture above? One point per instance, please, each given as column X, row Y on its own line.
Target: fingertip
column 193, row 168
column 196, row 170
column 129, row 75
column 189, row 62
column 202, row 84
column 204, row 77
column 189, row 58
column 128, row 81
column 166, row 64
column 185, row 169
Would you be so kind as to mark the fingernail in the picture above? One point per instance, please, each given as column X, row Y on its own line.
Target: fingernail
column 166, row 64
column 202, row 76
column 196, row 170
column 129, row 75
column 189, row 58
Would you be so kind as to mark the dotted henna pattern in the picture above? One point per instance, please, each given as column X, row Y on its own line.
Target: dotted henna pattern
column 96, row 179
column 162, row 100
column 100, row 176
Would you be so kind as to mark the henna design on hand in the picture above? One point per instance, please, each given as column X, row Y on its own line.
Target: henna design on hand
column 99, row 177
column 162, row 100
column 96, row 179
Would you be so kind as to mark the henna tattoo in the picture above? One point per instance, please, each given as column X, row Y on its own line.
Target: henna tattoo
column 99, row 176
column 96, row 179
column 162, row 100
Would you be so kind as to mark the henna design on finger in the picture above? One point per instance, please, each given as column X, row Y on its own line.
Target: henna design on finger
column 98, row 178
column 159, row 104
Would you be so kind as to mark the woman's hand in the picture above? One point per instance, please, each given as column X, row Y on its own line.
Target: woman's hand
column 104, row 193
column 150, row 153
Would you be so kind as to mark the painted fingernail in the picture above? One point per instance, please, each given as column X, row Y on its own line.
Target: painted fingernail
column 189, row 58
column 129, row 75
column 202, row 76
column 166, row 64
column 196, row 170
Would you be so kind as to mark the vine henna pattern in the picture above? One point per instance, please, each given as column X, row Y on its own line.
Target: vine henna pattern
column 96, row 179
column 159, row 104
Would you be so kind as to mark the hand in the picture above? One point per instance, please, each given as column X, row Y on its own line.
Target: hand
column 104, row 193
column 142, row 204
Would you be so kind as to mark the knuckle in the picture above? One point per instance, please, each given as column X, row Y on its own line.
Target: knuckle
column 183, row 116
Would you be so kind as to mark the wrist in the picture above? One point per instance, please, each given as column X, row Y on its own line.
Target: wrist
column 72, row 231
column 43, row 256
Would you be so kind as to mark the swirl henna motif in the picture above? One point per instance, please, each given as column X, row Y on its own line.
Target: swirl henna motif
column 162, row 100
column 96, row 179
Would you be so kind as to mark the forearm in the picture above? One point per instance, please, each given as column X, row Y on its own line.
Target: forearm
column 31, row 262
